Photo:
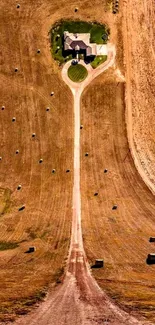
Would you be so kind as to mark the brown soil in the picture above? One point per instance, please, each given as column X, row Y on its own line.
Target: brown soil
column 120, row 236
column 46, row 220
column 139, row 51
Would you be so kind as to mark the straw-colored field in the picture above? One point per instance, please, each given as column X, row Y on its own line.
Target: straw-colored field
column 119, row 236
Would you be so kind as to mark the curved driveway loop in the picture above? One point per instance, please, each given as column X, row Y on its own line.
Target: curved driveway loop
column 79, row 301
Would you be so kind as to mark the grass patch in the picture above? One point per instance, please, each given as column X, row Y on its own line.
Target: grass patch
column 9, row 311
column 98, row 34
column 7, row 245
column 59, row 274
column 98, row 60
column 77, row 73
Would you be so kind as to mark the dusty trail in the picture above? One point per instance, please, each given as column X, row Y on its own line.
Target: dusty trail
column 79, row 300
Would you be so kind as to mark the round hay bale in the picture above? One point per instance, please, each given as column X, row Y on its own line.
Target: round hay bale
column 52, row 93
column 105, row 171
column 21, row 208
column 53, row 171
column 76, row 9
column 16, row 69
column 81, row 126
column 96, row 194
column 67, row 170
column 114, row 207
column 47, row 109
column 18, row 6
column 2, row 108
column 0, row 158
column 17, row 152
column 86, row 154
column 33, row 135
column 13, row 119
column 19, row 187
column 40, row 161
column 38, row 51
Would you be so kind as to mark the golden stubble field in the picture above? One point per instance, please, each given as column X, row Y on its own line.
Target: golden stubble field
column 121, row 237
column 46, row 220
column 139, row 50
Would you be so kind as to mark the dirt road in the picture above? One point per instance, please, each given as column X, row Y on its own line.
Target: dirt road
column 79, row 300
column 26, row 96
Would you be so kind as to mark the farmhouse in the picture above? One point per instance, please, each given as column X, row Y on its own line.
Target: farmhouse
column 81, row 42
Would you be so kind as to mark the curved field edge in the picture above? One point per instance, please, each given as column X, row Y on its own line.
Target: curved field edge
column 133, row 288
column 46, row 220
column 121, row 236
column 37, row 11
column 140, row 85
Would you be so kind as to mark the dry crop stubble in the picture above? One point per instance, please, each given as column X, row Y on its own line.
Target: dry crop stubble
column 139, row 50
column 119, row 236
column 46, row 220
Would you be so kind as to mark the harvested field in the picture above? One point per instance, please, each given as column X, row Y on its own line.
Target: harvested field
column 46, row 220
column 139, row 51
column 119, row 236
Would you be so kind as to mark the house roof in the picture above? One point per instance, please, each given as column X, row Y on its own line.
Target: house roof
column 81, row 45
column 82, row 41
column 91, row 49
column 76, row 41
column 70, row 37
